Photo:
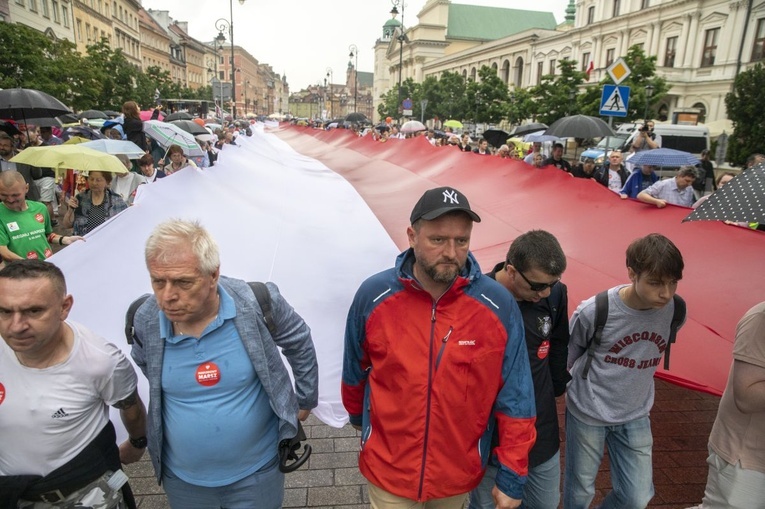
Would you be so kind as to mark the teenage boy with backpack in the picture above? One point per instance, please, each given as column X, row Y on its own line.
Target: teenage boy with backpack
column 612, row 366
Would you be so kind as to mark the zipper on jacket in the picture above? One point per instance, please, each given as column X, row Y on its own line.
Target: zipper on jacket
column 443, row 346
column 427, row 407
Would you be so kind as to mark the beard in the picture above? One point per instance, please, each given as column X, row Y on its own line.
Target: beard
column 441, row 273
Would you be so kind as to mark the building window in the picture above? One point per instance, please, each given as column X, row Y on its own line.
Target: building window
column 553, row 64
column 645, row 4
column 46, row 11
column 669, row 54
column 591, row 15
column 617, row 7
column 610, row 56
column 65, row 15
column 54, row 8
column 79, row 30
column 758, row 51
column 540, row 71
column 585, row 61
column 710, row 47
column 33, row 5
column 87, row 32
column 20, row 2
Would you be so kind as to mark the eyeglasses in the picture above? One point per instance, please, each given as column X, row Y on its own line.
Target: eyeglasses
column 537, row 287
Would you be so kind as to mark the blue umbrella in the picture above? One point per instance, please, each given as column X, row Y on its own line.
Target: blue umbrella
column 664, row 157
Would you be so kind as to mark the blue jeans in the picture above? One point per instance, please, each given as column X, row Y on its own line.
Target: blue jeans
column 263, row 489
column 542, row 489
column 629, row 451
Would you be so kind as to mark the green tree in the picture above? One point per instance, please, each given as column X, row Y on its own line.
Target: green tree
column 520, row 106
column 489, row 96
column 745, row 111
column 451, row 96
column 555, row 96
column 118, row 77
column 391, row 100
column 643, row 74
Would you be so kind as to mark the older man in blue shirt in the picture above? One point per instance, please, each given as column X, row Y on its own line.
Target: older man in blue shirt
column 677, row 190
column 221, row 398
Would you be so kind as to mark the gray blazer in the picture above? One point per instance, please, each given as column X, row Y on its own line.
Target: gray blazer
column 293, row 338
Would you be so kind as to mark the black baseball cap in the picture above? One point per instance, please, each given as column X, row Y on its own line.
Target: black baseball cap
column 437, row 202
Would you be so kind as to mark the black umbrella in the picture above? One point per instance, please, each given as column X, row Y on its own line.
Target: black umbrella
column 356, row 117
column 579, row 126
column 44, row 121
column 495, row 137
column 83, row 132
column 26, row 103
column 112, row 113
column 522, row 130
column 9, row 128
column 740, row 200
column 382, row 127
column 190, row 127
column 178, row 115
column 93, row 114
column 68, row 118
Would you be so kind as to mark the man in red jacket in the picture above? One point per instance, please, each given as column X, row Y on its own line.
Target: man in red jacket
column 434, row 355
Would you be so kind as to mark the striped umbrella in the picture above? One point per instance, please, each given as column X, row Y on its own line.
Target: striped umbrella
column 167, row 134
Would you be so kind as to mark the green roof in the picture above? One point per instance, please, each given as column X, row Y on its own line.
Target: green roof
column 366, row 79
column 480, row 23
column 392, row 23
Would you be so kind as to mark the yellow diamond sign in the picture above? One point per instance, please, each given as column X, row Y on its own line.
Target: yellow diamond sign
column 619, row 70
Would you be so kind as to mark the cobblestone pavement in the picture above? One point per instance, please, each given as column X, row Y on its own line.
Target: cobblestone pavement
column 681, row 421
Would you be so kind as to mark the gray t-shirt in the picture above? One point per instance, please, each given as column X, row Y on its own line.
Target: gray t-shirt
column 619, row 387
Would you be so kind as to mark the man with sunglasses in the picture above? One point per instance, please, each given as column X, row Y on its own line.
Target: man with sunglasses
column 531, row 273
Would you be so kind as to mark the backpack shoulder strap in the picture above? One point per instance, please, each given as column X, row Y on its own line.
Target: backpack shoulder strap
column 264, row 301
column 130, row 318
column 678, row 317
column 601, row 315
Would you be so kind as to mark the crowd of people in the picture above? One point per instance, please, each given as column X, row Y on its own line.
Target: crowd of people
column 450, row 372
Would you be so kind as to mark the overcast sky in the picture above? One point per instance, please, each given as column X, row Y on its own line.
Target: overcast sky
column 302, row 38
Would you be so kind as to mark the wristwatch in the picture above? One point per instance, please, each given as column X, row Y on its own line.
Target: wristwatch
column 139, row 443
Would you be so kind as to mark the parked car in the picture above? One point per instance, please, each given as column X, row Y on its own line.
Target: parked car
column 599, row 151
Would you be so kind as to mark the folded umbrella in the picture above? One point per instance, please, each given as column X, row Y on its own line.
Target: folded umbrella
column 74, row 157
column 167, row 134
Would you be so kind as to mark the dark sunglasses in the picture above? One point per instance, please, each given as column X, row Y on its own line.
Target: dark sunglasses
column 538, row 287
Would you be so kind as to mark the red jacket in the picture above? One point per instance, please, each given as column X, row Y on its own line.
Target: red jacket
column 428, row 379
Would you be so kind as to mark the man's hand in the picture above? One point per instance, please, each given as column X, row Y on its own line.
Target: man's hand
column 661, row 203
column 129, row 454
column 503, row 501
column 303, row 414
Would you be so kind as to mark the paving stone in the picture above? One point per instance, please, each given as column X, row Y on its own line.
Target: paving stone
column 336, row 495
column 330, row 432
column 347, row 444
column 153, row 502
column 322, row 445
column 145, row 486
column 295, row 497
column 348, row 476
column 306, row 478
column 334, row 460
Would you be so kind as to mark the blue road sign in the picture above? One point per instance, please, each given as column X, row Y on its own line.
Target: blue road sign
column 407, row 104
column 614, row 101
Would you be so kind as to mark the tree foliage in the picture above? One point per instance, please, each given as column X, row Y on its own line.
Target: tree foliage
column 101, row 79
column 643, row 74
column 745, row 111
column 555, row 96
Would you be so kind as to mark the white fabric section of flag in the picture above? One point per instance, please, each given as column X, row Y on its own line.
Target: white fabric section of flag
column 277, row 216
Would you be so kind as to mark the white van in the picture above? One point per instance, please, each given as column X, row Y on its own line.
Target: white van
column 688, row 138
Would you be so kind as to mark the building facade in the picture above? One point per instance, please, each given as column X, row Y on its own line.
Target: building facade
column 51, row 17
column 126, row 29
column 92, row 22
column 155, row 43
column 697, row 44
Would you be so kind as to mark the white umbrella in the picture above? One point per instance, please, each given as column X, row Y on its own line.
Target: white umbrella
column 115, row 147
column 412, row 126
column 167, row 134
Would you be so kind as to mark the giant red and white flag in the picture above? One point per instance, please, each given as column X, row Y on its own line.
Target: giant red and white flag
column 317, row 212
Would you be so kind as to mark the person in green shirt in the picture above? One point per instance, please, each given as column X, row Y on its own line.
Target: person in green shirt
column 25, row 227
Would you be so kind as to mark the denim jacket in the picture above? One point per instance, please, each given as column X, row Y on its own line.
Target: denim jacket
column 293, row 337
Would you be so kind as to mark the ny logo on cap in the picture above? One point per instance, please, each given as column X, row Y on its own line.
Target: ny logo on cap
column 451, row 195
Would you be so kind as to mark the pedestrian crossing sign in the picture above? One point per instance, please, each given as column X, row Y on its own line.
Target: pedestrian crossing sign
column 614, row 101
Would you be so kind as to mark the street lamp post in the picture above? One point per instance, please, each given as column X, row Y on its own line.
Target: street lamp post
column 247, row 82
column 331, row 76
column 648, row 95
column 354, row 52
column 221, row 25
column 401, row 40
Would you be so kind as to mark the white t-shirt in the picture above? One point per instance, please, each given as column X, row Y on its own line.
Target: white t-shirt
column 47, row 416
column 614, row 181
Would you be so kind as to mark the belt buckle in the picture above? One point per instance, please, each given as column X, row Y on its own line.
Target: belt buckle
column 59, row 496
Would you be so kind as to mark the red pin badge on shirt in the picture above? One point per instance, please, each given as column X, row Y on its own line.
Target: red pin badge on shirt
column 208, row 374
